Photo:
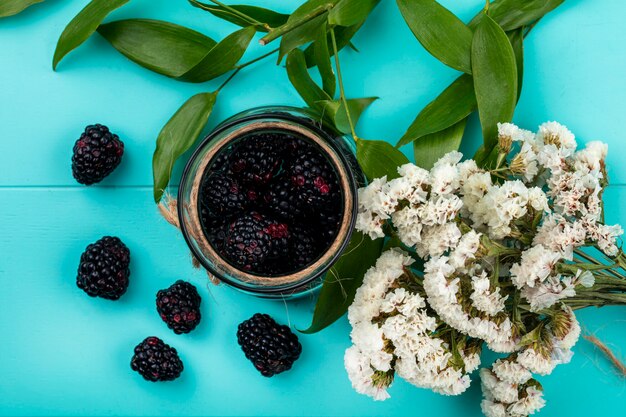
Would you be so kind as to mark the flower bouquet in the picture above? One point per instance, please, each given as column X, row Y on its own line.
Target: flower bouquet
column 498, row 257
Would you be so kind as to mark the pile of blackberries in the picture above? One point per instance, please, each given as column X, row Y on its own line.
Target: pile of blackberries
column 270, row 203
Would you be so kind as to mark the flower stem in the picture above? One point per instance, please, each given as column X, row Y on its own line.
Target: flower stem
column 591, row 259
column 342, row 92
column 275, row 33
column 242, row 66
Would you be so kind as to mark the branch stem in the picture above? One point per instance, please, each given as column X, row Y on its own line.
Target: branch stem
column 240, row 14
column 342, row 92
column 275, row 33
column 242, row 66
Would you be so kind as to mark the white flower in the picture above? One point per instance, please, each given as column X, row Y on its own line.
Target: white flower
column 409, row 226
column 530, row 403
column 592, row 157
column 536, row 362
column 465, row 250
column 493, row 409
column 496, row 389
column 438, row 239
column 485, row 300
column 442, row 290
column 606, row 237
column 513, row 132
column 445, row 174
column 559, row 235
column 500, row 207
column 416, row 175
column 553, row 133
column 440, row 209
column 525, row 162
column 537, row 199
column 511, row 371
column 536, row 265
column 360, row 372
column 547, row 294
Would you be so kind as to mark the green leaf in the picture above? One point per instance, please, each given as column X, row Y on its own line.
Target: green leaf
column 343, row 279
column 299, row 36
column 222, row 58
column 513, row 14
column 335, row 111
column 302, row 25
column 378, row 158
column 82, row 26
column 428, row 149
column 351, row 12
column 177, row 136
column 13, row 7
column 495, row 78
column 260, row 14
column 159, row 46
column 300, row 78
column 343, row 36
column 516, row 38
column 322, row 60
column 439, row 31
column 454, row 104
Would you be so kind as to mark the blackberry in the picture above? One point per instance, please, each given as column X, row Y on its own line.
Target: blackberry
column 214, row 228
column 303, row 248
column 96, row 154
column 103, row 270
column 329, row 222
column 156, row 361
column 279, row 239
column 257, row 159
column 314, row 179
column 272, row 348
column 179, row 306
column 222, row 194
column 247, row 245
column 221, row 161
column 282, row 199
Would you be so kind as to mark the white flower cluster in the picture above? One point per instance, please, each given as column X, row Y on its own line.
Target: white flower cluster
column 553, row 198
column 492, row 240
column 508, row 387
column 393, row 333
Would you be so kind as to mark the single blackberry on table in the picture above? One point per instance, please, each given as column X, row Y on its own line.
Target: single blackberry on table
column 282, row 199
column 223, row 195
column 179, row 306
column 156, row 361
column 247, row 245
column 303, row 248
column 314, row 179
column 96, row 154
column 104, row 269
column 257, row 159
column 272, row 348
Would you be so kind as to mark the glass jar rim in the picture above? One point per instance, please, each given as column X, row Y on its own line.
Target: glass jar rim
column 280, row 113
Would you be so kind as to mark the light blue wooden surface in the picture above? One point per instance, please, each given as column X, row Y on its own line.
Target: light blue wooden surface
column 63, row 353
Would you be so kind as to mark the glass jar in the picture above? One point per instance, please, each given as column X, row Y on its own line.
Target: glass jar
column 339, row 151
